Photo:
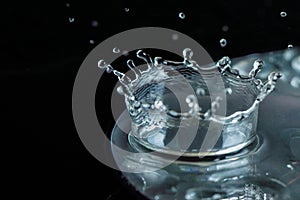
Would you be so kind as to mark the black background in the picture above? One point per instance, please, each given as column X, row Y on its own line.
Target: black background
column 41, row 52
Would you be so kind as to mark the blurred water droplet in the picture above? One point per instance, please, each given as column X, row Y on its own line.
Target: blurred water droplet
column 290, row 46
column 223, row 42
column 228, row 91
column 290, row 167
column 67, row 5
column 126, row 9
column 283, row 14
column 92, row 42
column 181, row 15
column 295, row 82
column 71, row 19
column 296, row 64
column 175, row 36
column 225, row 28
column 94, row 23
column 116, row 50
column 101, row 64
column 125, row 53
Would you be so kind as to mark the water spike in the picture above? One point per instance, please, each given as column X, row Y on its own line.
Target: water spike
column 142, row 55
column 224, row 64
column 187, row 54
column 132, row 67
column 257, row 66
column 158, row 61
column 269, row 85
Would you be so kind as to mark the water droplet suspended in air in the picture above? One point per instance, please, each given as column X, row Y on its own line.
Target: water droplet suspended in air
column 126, row 9
column 223, row 42
column 94, row 23
column 92, row 42
column 67, row 5
column 225, row 28
column 71, row 19
column 116, row 50
column 101, row 64
column 109, row 69
column 283, row 14
column 295, row 82
column 175, row 36
column 181, row 15
column 290, row 46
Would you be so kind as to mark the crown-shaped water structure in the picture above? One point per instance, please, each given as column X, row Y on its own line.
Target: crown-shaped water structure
column 181, row 108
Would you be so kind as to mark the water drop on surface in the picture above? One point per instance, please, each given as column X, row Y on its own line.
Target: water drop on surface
column 71, row 19
column 116, row 50
column 283, row 14
column 126, row 9
column 94, row 23
column 225, row 28
column 181, row 15
column 223, row 42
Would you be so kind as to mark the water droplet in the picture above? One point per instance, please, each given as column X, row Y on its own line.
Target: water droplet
column 120, row 90
column 290, row 166
column 101, row 64
column 181, row 15
column 67, row 5
column 283, row 14
column 92, row 42
column 71, row 19
column 175, row 36
column 228, row 91
column 109, row 69
column 94, row 23
column 125, row 53
column 200, row 91
column 257, row 66
column 267, row 173
column 290, row 46
column 116, row 50
column 126, row 9
column 225, row 28
column 295, row 82
column 223, row 42
column 187, row 54
column 296, row 64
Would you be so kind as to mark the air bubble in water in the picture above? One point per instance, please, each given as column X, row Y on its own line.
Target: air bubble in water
column 181, row 15
column 71, row 19
column 290, row 46
column 126, row 9
column 223, row 42
column 283, row 14
column 94, row 23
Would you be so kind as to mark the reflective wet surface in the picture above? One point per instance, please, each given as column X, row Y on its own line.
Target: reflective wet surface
column 269, row 168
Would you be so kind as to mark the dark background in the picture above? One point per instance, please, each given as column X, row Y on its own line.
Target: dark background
column 41, row 52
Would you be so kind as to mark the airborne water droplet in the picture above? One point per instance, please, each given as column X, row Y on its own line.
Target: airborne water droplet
column 223, row 42
column 101, row 64
column 67, row 5
column 175, row 36
column 92, row 41
column 225, row 28
column 109, row 69
column 71, row 19
column 126, row 9
column 94, row 23
column 283, row 14
column 116, row 50
column 181, row 15
column 290, row 46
